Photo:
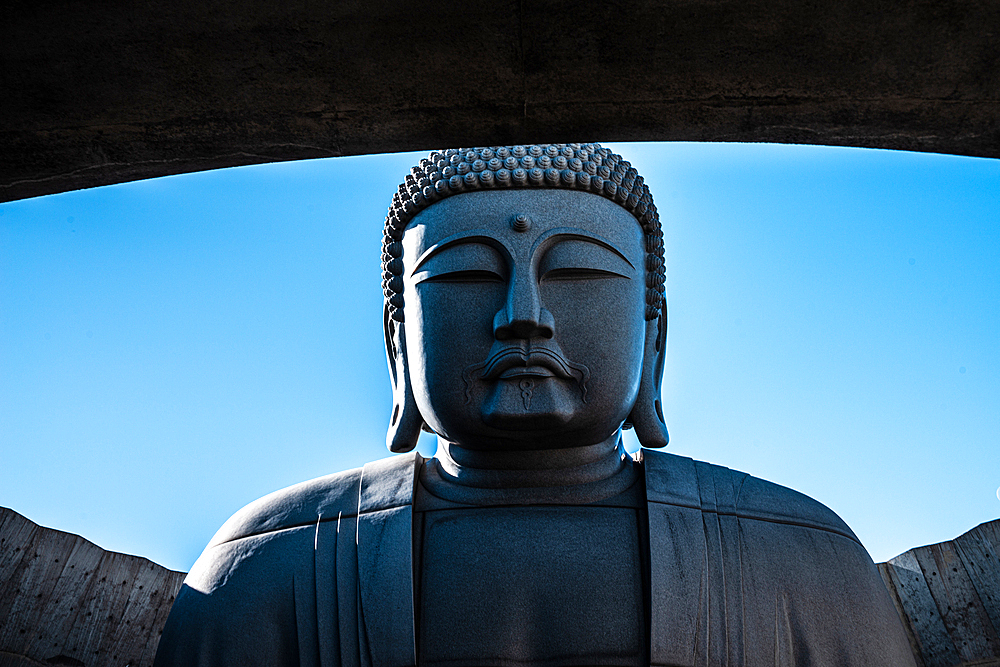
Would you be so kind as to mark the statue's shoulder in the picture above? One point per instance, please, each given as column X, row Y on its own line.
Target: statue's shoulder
column 378, row 485
column 294, row 506
column 720, row 539
column 238, row 605
column 679, row 480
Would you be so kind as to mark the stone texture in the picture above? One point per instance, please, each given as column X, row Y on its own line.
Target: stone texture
column 532, row 539
column 735, row 567
column 949, row 597
column 66, row 601
column 96, row 93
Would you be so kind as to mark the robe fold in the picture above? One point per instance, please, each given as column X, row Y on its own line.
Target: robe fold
column 742, row 572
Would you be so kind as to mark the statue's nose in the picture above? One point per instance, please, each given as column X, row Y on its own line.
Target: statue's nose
column 525, row 329
column 523, row 316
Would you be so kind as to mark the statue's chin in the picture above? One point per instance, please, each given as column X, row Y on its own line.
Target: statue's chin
column 532, row 405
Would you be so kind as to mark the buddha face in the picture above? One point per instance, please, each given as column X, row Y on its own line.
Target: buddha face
column 524, row 324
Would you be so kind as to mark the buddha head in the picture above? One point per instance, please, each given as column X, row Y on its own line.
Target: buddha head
column 525, row 304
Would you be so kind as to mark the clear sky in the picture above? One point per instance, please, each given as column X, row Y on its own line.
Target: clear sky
column 172, row 349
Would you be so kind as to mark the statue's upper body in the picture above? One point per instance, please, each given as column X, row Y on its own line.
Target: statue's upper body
column 532, row 329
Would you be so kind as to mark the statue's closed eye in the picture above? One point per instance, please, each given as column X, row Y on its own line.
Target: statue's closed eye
column 468, row 262
column 466, row 276
column 582, row 259
column 580, row 273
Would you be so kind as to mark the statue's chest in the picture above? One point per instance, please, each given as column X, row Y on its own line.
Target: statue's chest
column 539, row 585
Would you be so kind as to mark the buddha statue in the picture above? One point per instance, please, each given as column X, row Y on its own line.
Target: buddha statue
column 525, row 325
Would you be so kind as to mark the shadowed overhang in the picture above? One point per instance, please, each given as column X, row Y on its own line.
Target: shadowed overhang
column 95, row 93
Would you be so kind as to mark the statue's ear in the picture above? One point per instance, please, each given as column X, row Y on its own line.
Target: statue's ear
column 647, row 413
column 405, row 422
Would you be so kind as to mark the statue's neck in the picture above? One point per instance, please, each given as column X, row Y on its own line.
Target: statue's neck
column 569, row 475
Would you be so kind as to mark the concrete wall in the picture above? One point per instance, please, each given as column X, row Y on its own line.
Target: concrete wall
column 948, row 595
column 104, row 92
column 66, row 601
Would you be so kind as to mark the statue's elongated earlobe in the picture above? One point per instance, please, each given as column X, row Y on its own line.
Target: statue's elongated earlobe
column 405, row 422
column 647, row 413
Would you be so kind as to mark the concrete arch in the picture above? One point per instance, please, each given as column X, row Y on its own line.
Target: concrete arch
column 95, row 94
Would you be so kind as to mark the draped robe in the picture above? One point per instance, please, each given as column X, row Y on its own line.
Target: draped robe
column 741, row 572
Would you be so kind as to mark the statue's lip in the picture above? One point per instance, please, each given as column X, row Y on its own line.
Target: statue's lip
column 526, row 371
column 539, row 362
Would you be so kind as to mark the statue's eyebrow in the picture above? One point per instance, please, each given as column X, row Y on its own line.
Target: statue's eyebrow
column 573, row 233
column 473, row 236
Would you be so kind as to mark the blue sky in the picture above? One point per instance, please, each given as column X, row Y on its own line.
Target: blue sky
column 172, row 349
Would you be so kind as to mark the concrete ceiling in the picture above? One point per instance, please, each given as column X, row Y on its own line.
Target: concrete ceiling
column 104, row 92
